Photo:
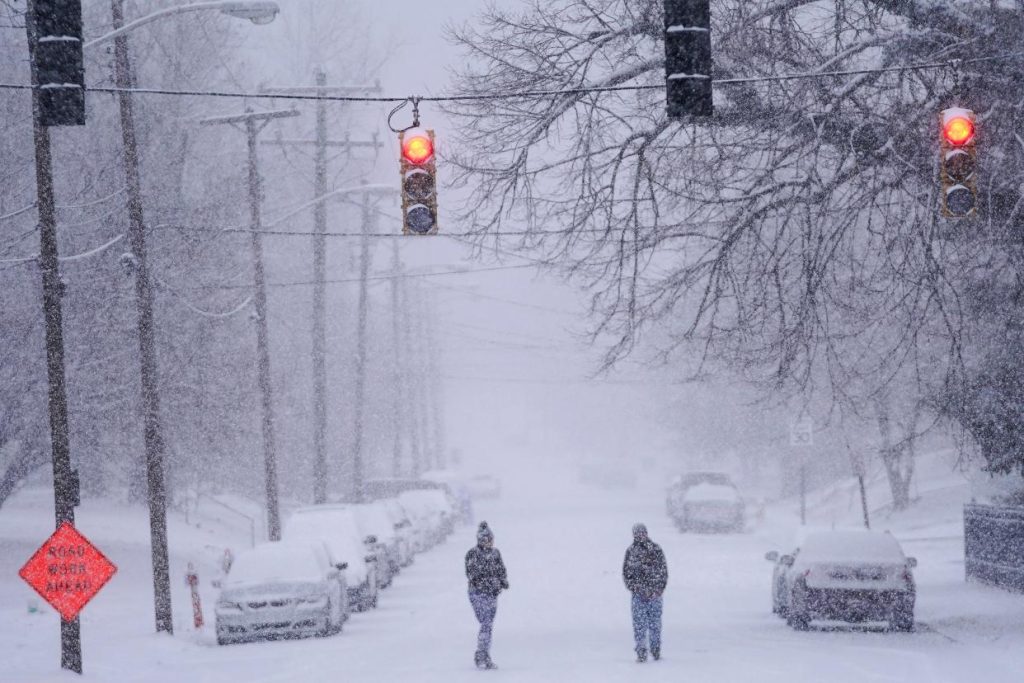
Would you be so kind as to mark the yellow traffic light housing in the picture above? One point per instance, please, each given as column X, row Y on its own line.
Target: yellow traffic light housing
column 419, row 182
column 958, row 163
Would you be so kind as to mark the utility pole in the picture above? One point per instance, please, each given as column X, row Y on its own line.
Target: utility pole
column 411, row 392
column 252, row 123
column 436, row 386
column 396, row 359
column 65, row 480
column 419, row 374
column 322, row 144
column 363, row 313
column 149, row 371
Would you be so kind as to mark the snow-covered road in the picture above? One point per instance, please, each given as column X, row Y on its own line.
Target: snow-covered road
column 566, row 617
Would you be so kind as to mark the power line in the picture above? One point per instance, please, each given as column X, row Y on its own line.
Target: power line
column 527, row 94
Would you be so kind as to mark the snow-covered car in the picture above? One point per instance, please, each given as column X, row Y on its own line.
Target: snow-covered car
column 337, row 528
column 278, row 590
column 403, row 529
column 374, row 520
column 431, row 512
column 710, row 507
column 854, row 575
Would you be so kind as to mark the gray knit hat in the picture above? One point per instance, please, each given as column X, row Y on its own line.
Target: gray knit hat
column 484, row 533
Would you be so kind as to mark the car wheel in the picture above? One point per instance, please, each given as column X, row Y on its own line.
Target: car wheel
column 799, row 621
column 902, row 619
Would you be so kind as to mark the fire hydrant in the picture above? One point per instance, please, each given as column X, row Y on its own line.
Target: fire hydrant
column 192, row 579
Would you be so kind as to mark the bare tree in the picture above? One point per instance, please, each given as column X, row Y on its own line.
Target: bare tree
column 803, row 215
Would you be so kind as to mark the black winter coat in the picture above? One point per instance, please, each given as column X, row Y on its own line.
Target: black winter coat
column 485, row 571
column 644, row 570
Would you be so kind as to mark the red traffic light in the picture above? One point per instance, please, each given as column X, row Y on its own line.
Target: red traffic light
column 418, row 149
column 958, row 130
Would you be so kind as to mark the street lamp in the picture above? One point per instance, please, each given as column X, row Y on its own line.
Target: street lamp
column 258, row 12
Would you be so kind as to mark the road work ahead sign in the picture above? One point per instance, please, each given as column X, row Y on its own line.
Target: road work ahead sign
column 68, row 571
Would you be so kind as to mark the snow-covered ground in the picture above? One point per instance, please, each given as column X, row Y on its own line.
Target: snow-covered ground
column 566, row 617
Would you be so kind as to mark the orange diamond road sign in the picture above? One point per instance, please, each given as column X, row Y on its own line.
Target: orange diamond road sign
column 68, row 571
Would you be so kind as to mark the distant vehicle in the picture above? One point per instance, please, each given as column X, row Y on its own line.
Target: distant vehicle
column 278, row 590
column 706, row 501
column 854, row 576
column 336, row 526
column 459, row 488
column 483, row 486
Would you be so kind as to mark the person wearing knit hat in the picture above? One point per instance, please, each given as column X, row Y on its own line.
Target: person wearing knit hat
column 487, row 578
column 645, row 573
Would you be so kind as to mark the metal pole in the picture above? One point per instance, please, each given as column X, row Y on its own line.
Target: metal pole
column 319, row 324
column 149, row 373
column 396, row 334
column 360, row 399
column 420, row 375
column 864, row 501
column 64, row 480
column 262, row 336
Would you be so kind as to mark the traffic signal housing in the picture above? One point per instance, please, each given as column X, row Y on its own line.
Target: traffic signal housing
column 419, row 182
column 688, row 58
column 958, row 163
column 60, row 71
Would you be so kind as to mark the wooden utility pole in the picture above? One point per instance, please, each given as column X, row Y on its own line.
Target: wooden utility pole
column 397, row 379
column 252, row 123
column 322, row 143
column 359, row 409
column 149, row 372
column 65, row 480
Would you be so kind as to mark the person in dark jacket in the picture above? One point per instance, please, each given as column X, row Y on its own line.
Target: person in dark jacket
column 487, row 577
column 646, row 574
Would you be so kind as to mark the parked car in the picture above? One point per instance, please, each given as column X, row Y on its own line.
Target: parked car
column 431, row 512
column 280, row 590
column 854, row 576
column 374, row 521
column 403, row 528
column 337, row 528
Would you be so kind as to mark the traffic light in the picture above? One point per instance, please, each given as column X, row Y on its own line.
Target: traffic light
column 688, row 58
column 958, row 163
column 60, row 74
column 419, row 182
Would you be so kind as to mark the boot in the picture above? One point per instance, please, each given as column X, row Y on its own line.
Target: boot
column 479, row 659
column 641, row 654
column 656, row 653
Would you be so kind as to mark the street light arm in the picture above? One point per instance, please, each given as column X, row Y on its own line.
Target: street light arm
column 221, row 5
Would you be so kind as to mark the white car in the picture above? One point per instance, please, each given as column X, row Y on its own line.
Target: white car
column 278, row 590
column 855, row 575
column 710, row 507
column 431, row 512
column 337, row 528
column 374, row 520
column 403, row 529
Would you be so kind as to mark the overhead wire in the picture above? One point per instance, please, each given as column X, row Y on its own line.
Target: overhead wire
column 528, row 93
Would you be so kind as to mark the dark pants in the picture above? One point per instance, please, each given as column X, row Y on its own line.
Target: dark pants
column 485, row 607
column 647, row 622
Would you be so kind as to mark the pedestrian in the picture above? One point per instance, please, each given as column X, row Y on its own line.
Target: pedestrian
column 646, row 574
column 487, row 577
